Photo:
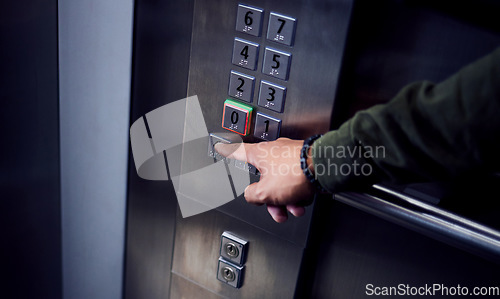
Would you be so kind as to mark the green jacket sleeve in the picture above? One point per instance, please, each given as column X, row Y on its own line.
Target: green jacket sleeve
column 426, row 132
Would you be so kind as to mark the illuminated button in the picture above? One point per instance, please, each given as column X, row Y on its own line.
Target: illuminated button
column 245, row 54
column 236, row 117
column 281, row 29
column 249, row 20
column 241, row 86
column 267, row 127
column 272, row 96
column 276, row 63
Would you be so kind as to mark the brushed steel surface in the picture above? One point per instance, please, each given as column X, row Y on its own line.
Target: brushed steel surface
column 428, row 220
column 360, row 249
column 321, row 28
column 271, row 268
column 182, row 288
column 162, row 32
column 320, row 35
column 150, row 238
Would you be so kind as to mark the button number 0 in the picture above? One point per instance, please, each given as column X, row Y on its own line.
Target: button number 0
column 234, row 117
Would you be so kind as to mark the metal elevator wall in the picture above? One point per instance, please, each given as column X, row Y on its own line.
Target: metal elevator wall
column 185, row 49
column 162, row 37
column 158, row 238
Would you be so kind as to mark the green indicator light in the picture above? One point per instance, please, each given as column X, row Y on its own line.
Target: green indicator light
column 239, row 105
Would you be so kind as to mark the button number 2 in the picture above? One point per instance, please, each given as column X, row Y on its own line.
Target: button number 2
column 241, row 85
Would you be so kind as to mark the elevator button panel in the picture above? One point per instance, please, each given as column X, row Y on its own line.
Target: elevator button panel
column 249, row 19
column 281, row 29
column 237, row 117
column 267, row 127
column 241, row 86
column 245, row 54
column 272, row 96
column 276, row 63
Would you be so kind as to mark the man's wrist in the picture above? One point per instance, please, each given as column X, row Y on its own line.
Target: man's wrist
column 307, row 163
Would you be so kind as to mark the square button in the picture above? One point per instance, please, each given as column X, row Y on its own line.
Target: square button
column 236, row 117
column 267, row 127
column 281, row 29
column 272, row 96
column 230, row 273
column 245, row 54
column 249, row 19
column 276, row 63
column 241, row 86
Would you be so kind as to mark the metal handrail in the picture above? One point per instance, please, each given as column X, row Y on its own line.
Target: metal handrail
column 427, row 219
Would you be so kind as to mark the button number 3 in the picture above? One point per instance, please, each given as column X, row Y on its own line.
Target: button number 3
column 271, row 94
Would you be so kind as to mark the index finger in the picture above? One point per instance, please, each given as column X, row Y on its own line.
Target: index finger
column 237, row 151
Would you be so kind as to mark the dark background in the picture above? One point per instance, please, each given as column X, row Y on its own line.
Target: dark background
column 30, row 222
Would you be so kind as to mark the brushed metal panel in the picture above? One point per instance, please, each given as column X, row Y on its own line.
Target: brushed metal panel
column 317, row 54
column 162, row 39
column 182, row 288
column 272, row 265
column 320, row 36
column 150, row 236
column 361, row 249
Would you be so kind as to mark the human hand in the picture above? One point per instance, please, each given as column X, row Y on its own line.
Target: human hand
column 282, row 186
